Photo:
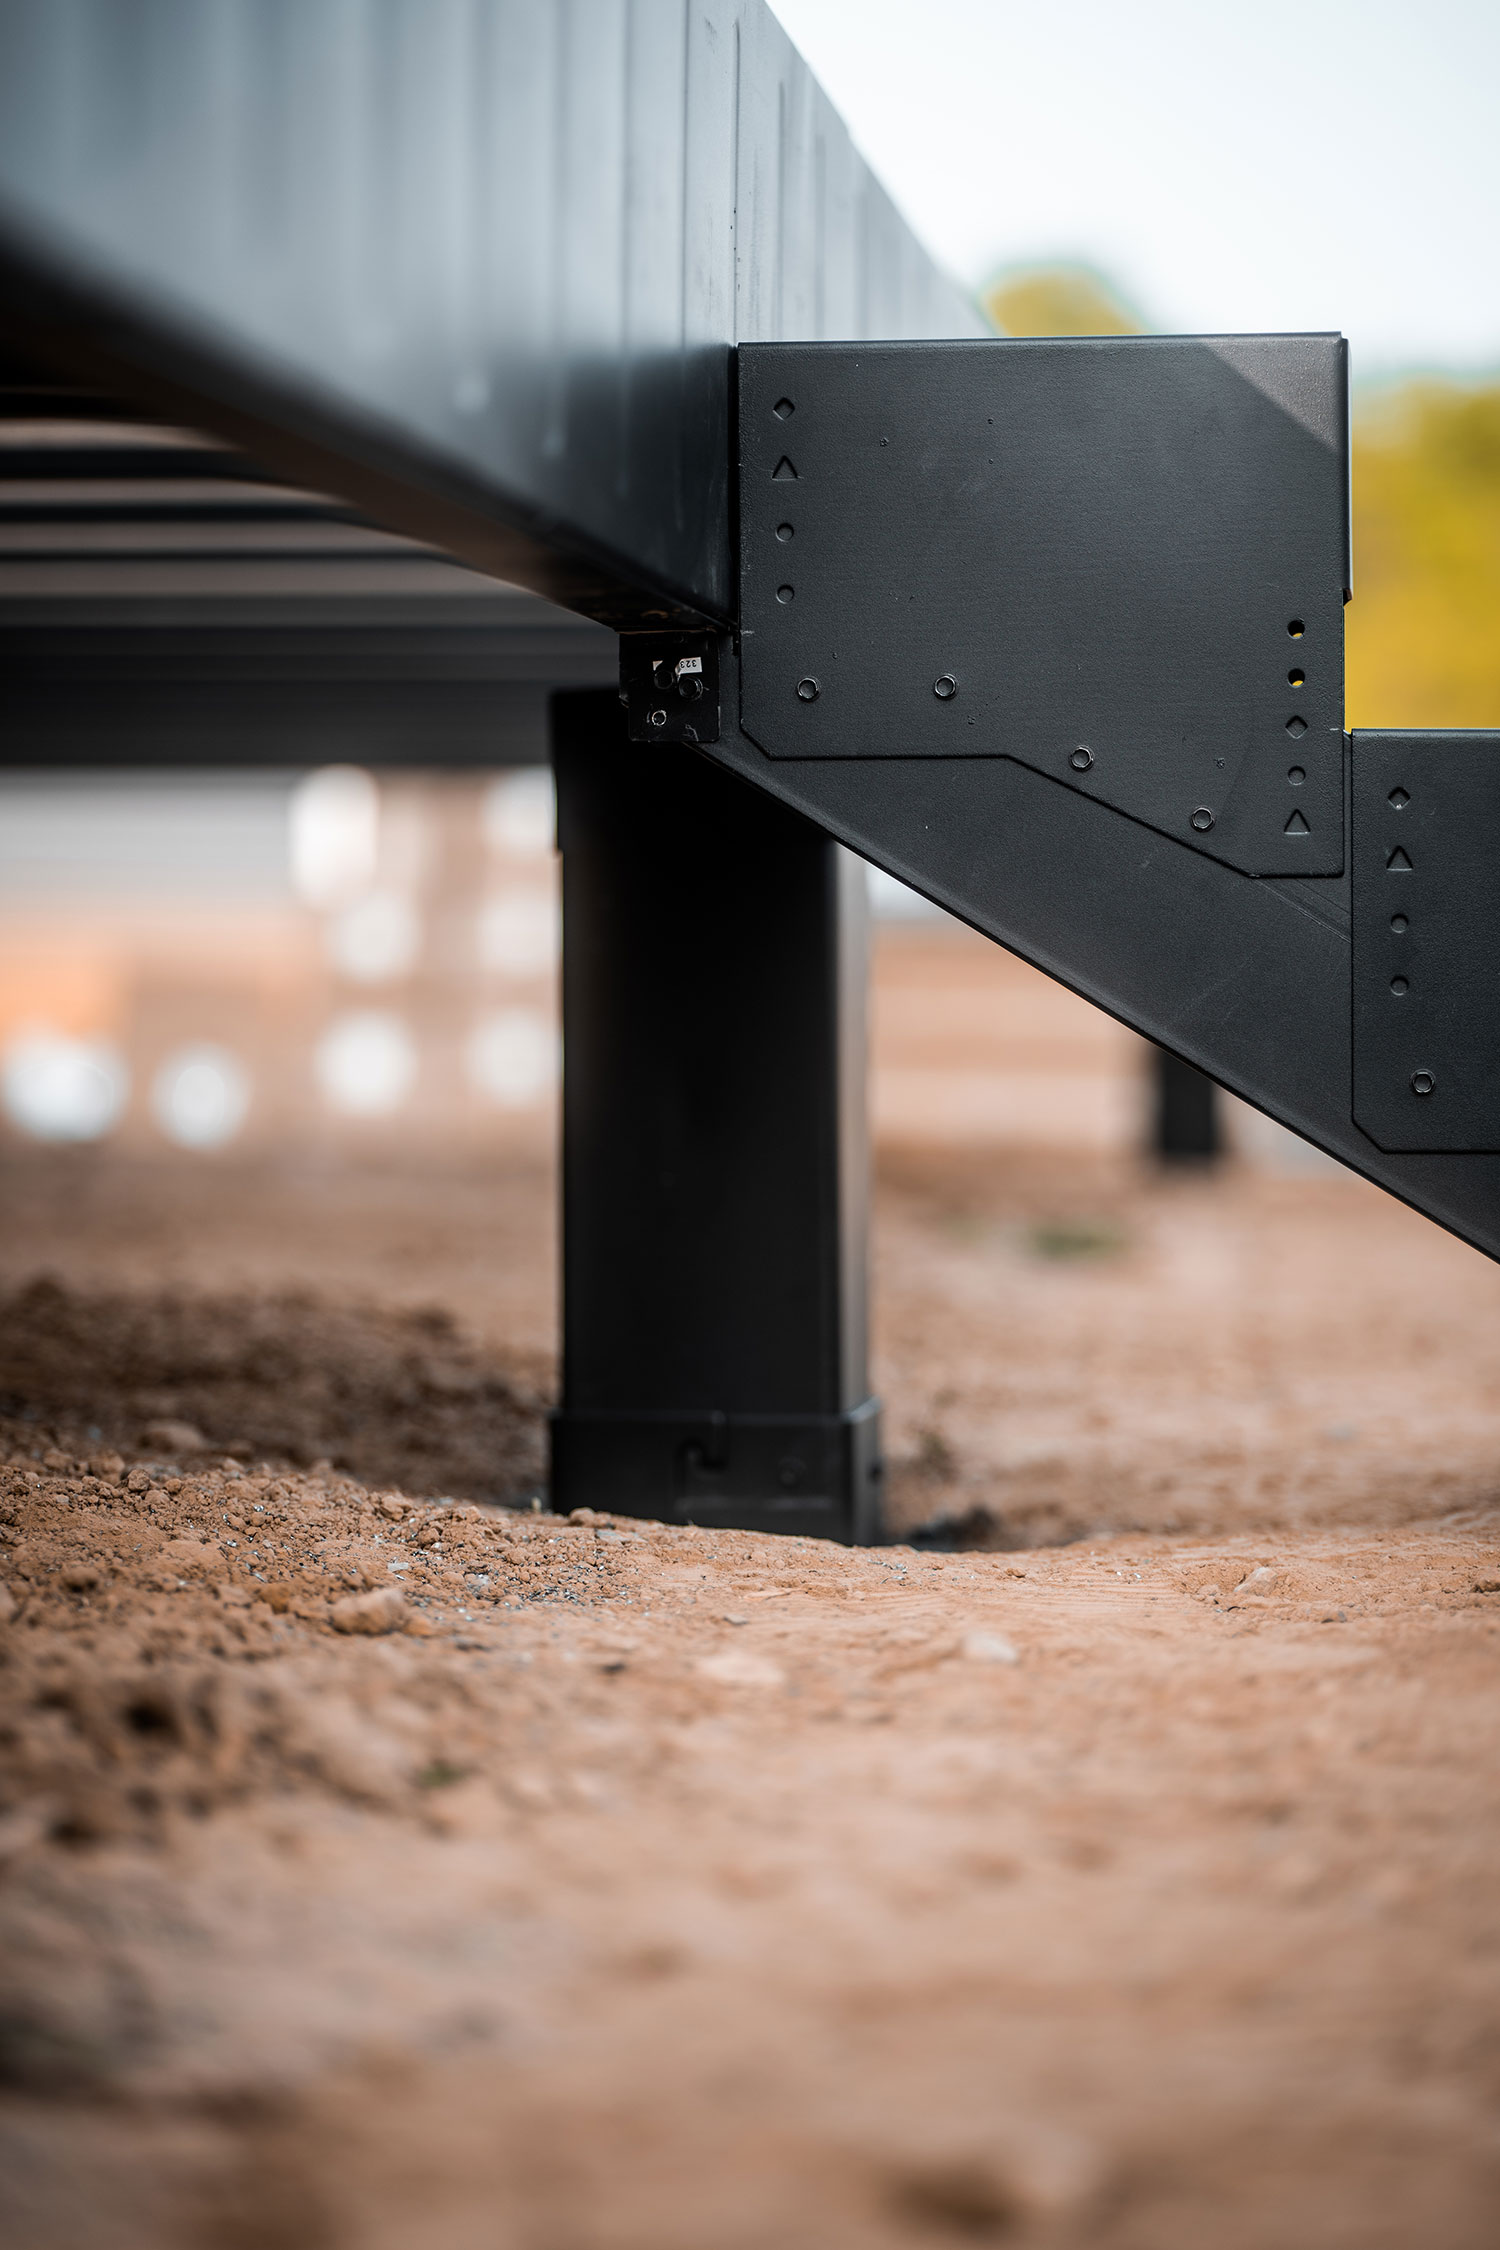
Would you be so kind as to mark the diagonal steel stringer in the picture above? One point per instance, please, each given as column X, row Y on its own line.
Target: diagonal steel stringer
column 1053, row 631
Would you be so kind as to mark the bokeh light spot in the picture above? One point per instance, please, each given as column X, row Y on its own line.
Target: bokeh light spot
column 61, row 1089
column 366, row 1063
column 200, row 1096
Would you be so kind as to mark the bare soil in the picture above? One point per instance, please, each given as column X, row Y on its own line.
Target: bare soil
column 384, row 1860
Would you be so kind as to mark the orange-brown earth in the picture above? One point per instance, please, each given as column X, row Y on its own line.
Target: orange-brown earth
column 381, row 1864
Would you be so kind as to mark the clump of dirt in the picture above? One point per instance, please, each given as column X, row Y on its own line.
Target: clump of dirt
column 401, row 1395
column 142, row 1605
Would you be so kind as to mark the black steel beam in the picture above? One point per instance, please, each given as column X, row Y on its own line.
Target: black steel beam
column 475, row 266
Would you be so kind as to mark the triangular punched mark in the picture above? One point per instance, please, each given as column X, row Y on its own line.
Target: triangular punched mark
column 1398, row 863
column 1296, row 826
column 783, row 473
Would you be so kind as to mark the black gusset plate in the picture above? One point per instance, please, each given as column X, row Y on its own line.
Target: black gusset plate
column 1088, row 554
column 1426, row 864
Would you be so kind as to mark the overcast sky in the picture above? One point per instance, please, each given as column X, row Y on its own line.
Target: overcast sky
column 1273, row 164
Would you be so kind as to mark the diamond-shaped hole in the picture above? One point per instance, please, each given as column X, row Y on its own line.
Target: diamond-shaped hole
column 783, row 408
column 1398, row 798
column 1296, row 727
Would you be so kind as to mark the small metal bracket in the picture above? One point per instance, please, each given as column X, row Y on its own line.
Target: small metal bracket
column 1426, row 893
column 669, row 685
column 1122, row 561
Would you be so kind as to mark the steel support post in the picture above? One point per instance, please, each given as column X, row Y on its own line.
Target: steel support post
column 714, row 1147
column 1185, row 1124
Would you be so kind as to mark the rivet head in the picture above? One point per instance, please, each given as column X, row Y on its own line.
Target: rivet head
column 1422, row 1082
column 945, row 687
column 658, row 718
column 1082, row 758
column 1202, row 819
column 807, row 691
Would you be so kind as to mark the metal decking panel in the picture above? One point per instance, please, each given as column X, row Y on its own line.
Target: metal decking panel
column 474, row 265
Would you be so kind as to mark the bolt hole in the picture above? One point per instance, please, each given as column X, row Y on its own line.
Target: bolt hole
column 1082, row 758
column 785, row 593
column 1202, row 819
column 945, row 688
column 1296, row 775
column 1398, row 924
column 1296, row 678
column 1296, row 727
column 784, row 532
column 784, row 407
column 1398, row 986
column 1296, row 628
column 1422, row 1082
column 807, row 691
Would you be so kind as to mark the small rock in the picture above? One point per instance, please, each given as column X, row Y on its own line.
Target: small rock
column 1487, row 1585
column 138, row 1481
column 173, row 1437
column 1258, row 1581
column 80, row 1577
column 391, row 1504
column 734, row 1620
column 276, row 1595
column 989, row 1648
column 383, row 1611
column 1209, row 1594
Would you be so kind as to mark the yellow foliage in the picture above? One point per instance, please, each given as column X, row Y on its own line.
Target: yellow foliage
column 1424, row 625
column 1056, row 301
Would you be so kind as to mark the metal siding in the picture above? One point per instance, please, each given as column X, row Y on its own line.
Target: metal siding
column 499, row 245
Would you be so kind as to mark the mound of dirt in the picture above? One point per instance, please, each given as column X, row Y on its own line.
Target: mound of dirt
column 403, row 1395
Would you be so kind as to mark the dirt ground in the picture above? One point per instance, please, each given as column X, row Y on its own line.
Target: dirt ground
column 384, row 1861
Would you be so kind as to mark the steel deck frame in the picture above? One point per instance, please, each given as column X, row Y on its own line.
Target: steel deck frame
column 474, row 276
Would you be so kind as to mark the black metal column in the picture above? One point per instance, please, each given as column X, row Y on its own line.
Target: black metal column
column 714, row 1147
column 1185, row 1123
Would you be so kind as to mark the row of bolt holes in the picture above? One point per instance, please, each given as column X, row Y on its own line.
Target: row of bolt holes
column 1422, row 1081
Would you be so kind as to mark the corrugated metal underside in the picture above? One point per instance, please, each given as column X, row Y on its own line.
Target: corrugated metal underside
column 476, row 265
